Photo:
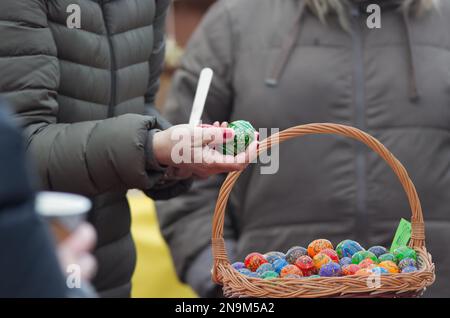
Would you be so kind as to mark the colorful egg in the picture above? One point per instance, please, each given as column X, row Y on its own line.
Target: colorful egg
column 378, row 250
column 244, row 271
column 238, row 265
column 320, row 260
column 331, row 253
column 306, row 265
column 266, row 267
column 269, row 275
column 273, row 256
column 405, row 252
column 390, row 266
column 407, row 262
column 345, row 261
column 290, row 270
column 347, row 248
column 387, row 257
column 330, row 270
column 364, row 272
column 294, row 253
column 279, row 264
column 252, row 275
column 316, row 246
column 293, row 276
column 350, row 269
column 254, row 260
column 367, row 263
column 244, row 134
column 313, row 276
column 409, row 269
column 379, row 271
column 358, row 257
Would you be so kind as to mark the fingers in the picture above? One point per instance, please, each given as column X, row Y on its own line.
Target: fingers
column 82, row 240
column 216, row 135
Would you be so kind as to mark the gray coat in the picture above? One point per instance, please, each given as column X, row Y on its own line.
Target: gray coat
column 392, row 82
column 84, row 98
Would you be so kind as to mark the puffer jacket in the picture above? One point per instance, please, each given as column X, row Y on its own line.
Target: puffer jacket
column 278, row 66
column 84, row 98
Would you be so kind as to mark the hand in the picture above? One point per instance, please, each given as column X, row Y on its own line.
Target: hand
column 76, row 250
column 191, row 151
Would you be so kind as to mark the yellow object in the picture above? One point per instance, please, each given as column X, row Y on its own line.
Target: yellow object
column 155, row 274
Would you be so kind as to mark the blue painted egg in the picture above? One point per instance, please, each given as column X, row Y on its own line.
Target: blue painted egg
column 345, row 261
column 347, row 248
column 379, row 271
column 409, row 269
column 378, row 250
column 279, row 264
column 271, row 257
column 330, row 270
column 245, row 271
column 407, row 262
column 238, row 265
column 266, row 267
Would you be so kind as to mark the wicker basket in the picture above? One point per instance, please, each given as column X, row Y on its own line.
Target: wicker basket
column 392, row 285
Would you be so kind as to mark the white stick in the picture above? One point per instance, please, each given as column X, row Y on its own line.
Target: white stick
column 203, row 86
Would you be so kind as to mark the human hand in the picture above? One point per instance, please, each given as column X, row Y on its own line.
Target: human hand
column 190, row 151
column 76, row 250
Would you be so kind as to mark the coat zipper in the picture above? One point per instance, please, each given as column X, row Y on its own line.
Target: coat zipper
column 113, row 92
column 362, row 221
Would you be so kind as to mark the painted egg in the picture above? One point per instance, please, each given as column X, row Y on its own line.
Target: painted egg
column 238, row 265
column 290, row 270
column 350, row 269
column 313, row 276
column 244, row 134
column 306, row 265
column 279, row 264
column 266, row 267
column 378, row 250
column 294, row 253
column 409, row 269
column 244, row 271
column 331, row 253
column 347, row 248
column 367, row 263
column 387, row 257
column 345, row 261
column 364, row 272
column 273, row 256
column 253, row 275
column 254, row 260
column 269, row 275
column 358, row 257
column 379, row 271
column 405, row 252
column 316, row 246
column 320, row 260
column 330, row 270
column 390, row 266
column 407, row 262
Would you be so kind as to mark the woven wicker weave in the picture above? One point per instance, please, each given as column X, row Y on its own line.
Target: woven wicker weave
column 392, row 285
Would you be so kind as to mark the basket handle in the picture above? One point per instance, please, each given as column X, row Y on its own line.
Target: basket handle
column 418, row 227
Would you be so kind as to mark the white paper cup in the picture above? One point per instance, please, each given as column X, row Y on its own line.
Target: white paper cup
column 63, row 211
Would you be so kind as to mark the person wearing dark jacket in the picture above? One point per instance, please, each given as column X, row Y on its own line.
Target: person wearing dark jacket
column 284, row 63
column 84, row 96
column 29, row 264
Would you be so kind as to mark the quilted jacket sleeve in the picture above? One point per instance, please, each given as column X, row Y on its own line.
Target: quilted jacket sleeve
column 86, row 157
